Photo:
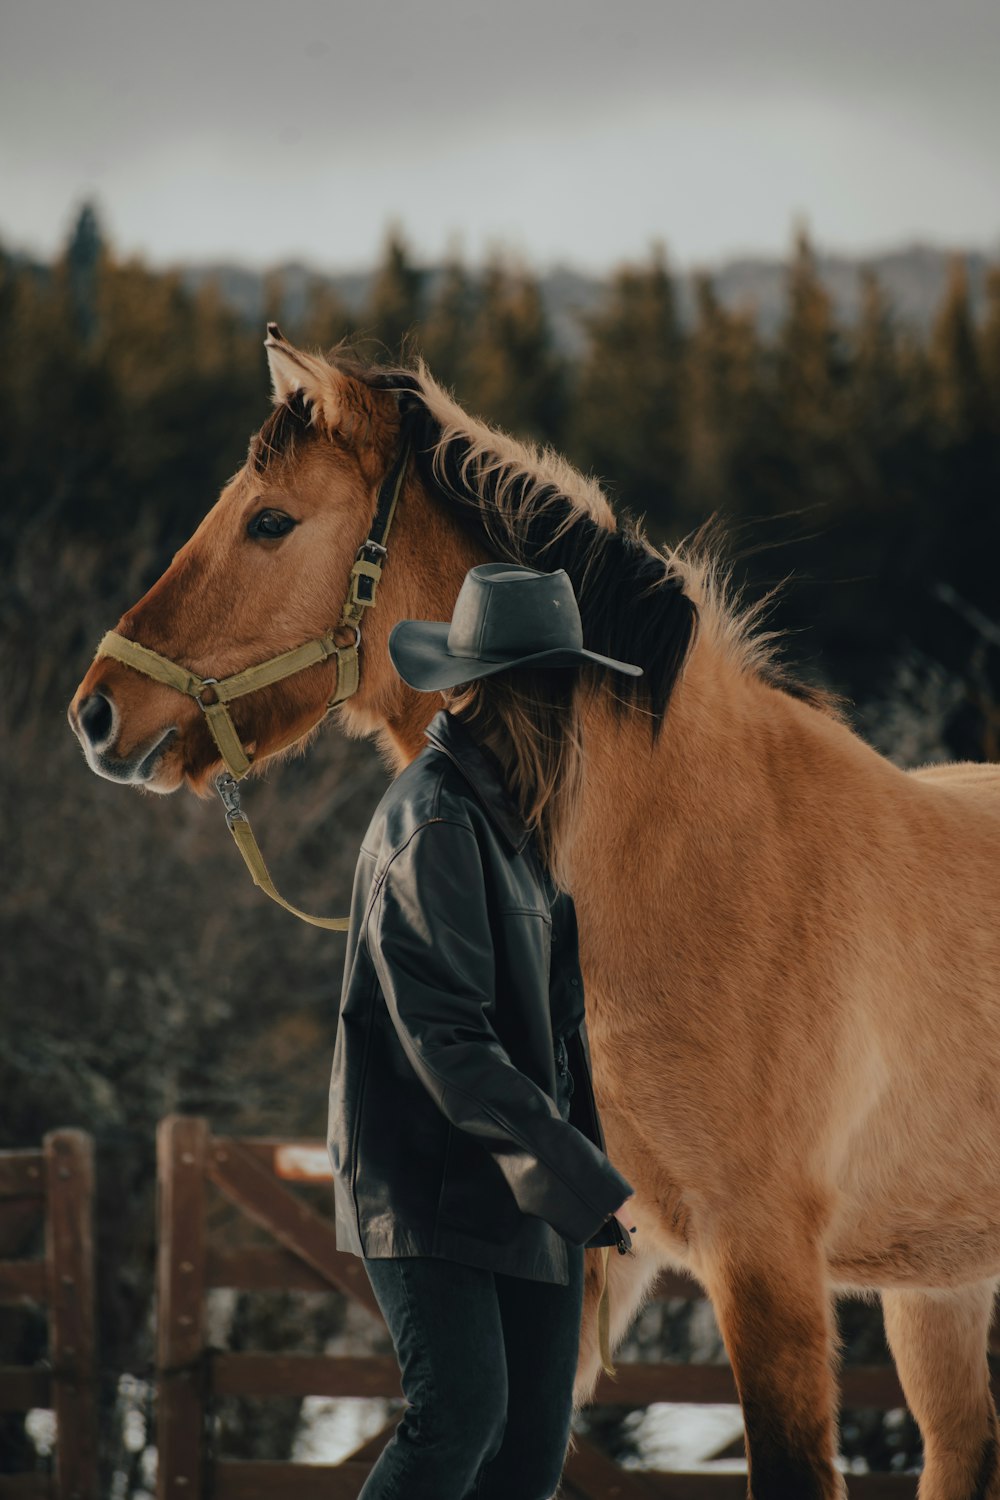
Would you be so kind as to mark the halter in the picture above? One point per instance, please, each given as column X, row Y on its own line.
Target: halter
column 213, row 695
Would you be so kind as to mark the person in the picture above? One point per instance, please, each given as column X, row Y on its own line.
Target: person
column 468, row 1156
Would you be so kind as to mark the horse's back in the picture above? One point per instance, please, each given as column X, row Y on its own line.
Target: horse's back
column 952, row 875
column 962, row 802
column 969, row 775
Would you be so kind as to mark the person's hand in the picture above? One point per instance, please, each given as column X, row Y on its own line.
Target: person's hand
column 626, row 1214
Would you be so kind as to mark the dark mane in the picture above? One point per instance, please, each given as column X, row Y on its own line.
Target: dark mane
column 632, row 603
column 277, row 438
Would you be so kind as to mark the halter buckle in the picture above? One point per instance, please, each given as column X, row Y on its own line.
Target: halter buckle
column 206, row 682
column 228, row 789
column 370, row 544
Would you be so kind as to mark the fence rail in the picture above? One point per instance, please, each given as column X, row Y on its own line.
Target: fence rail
column 259, row 1178
column 53, row 1187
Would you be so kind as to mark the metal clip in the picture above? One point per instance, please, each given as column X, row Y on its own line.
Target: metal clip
column 623, row 1243
column 228, row 789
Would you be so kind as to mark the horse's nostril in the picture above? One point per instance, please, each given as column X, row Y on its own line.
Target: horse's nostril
column 96, row 718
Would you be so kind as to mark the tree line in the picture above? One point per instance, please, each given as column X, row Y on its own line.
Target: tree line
column 869, row 454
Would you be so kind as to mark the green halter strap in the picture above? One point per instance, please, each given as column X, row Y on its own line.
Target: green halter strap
column 213, row 695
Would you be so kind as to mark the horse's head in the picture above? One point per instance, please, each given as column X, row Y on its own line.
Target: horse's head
column 266, row 571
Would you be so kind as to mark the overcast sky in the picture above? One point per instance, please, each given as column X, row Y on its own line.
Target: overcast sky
column 568, row 130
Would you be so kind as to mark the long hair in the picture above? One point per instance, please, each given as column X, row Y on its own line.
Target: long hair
column 531, row 719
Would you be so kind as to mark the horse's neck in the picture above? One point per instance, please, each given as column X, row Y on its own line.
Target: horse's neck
column 400, row 737
column 706, row 744
column 683, row 824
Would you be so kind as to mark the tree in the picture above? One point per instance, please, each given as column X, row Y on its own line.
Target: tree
column 396, row 297
column 84, row 251
column 627, row 423
column 810, row 363
column 884, row 375
column 511, row 372
column 989, row 347
column 721, row 398
column 326, row 322
column 960, row 397
column 445, row 335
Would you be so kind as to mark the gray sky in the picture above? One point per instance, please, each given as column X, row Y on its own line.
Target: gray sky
column 568, row 130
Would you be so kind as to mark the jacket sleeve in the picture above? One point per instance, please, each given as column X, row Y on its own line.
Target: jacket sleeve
column 431, row 944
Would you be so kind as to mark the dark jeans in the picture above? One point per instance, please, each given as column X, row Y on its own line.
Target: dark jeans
column 487, row 1363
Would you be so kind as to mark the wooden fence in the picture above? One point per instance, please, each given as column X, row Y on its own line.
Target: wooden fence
column 255, row 1176
column 53, row 1187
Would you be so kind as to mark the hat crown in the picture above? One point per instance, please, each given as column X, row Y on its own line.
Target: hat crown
column 505, row 611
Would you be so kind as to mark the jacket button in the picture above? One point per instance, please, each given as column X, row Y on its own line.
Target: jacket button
column 575, row 983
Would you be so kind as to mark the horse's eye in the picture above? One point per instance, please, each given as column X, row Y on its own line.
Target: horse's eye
column 270, row 523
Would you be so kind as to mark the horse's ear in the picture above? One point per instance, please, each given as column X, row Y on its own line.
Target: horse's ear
column 323, row 388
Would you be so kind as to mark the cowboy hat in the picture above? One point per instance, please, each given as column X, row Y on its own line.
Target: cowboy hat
column 505, row 616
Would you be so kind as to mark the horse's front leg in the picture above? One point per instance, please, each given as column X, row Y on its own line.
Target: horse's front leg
column 773, row 1309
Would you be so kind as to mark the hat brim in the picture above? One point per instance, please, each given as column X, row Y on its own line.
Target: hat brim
column 419, row 651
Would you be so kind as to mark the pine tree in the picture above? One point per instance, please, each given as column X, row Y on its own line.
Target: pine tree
column 960, row 484
column 511, row 372
column 327, row 322
column 395, row 301
column 960, row 398
column 880, row 408
column 82, row 259
column 446, row 331
column 875, row 351
column 989, row 347
column 720, row 390
column 628, row 414
column 810, row 365
column 48, row 388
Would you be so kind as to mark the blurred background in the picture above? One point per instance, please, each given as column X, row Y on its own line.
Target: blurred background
column 740, row 261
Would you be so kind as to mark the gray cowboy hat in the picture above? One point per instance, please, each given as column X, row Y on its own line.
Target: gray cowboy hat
column 504, row 616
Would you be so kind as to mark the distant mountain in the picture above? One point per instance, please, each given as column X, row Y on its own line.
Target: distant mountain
column 913, row 278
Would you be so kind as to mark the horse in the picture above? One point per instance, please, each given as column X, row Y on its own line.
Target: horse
column 790, row 952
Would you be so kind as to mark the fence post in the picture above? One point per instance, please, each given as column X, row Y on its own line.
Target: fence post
column 69, row 1261
column 181, row 1145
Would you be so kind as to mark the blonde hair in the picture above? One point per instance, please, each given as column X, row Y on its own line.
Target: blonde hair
column 532, row 721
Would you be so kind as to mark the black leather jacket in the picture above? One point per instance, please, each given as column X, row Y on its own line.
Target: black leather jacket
column 461, row 985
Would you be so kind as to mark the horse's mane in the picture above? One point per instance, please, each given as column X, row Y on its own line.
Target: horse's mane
column 287, row 422
column 529, row 505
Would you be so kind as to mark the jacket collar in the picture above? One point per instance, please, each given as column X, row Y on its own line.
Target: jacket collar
column 481, row 770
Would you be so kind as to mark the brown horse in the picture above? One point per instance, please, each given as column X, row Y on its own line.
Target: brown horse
column 790, row 946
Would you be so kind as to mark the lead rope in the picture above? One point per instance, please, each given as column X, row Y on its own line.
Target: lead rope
column 604, row 1317
column 623, row 1245
column 238, row 824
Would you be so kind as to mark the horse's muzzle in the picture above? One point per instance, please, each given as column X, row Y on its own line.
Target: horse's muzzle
column 95, row 722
